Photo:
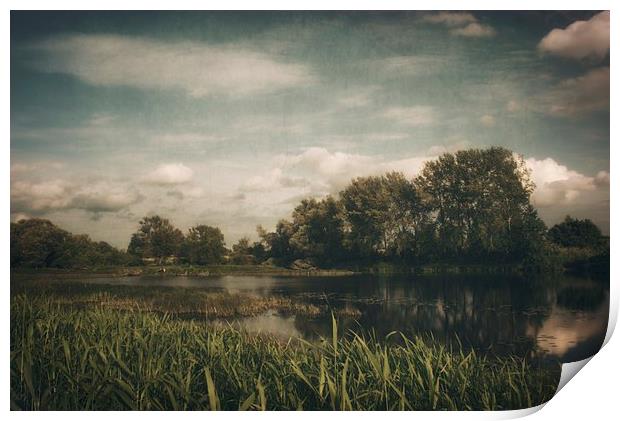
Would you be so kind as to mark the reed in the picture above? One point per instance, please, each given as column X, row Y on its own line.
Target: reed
column 69, row 358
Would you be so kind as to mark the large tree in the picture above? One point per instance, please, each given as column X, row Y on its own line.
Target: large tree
column 37, row 243
column 481, row 202
column 318, row 230
column 277, row 244
column 40, row 243
column 204, row 245
column 156, row 237
column 386, row 216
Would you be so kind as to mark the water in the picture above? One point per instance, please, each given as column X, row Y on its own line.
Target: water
column 563, row 318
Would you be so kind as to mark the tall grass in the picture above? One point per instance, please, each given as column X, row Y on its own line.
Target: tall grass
column 67, row 358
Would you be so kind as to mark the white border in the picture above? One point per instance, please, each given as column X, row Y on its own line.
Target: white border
column 592, row 395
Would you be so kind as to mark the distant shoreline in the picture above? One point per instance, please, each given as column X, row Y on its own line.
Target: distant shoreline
column 257, row 270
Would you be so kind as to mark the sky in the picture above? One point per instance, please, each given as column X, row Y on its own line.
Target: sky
column 231, row 118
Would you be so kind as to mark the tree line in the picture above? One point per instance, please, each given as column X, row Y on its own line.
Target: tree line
column 472, row 206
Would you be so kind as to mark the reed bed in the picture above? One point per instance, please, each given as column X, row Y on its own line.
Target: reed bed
column 98, row 358
column 188, row 302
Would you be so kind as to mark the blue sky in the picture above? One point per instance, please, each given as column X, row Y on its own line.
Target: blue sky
column 229, row 118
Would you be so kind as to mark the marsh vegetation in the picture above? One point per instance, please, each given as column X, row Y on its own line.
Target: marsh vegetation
column 65, row 358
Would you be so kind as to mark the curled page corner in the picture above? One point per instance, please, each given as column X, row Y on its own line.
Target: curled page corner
column 518, row 413
column 569, row 370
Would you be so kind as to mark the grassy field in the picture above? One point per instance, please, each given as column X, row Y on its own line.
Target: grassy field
column 95, row 357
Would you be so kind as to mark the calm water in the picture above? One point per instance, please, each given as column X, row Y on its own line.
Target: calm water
column 564, row 317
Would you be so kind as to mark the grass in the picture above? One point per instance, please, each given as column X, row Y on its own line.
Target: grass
column 181, row 302
column 68, row 358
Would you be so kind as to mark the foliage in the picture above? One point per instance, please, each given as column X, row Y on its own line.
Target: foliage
column 203, row 245
column 481, row 201
column 156, row 237
column 246, row 253
column 386, row 216
column 38, row 243
column 574, row 232
column 65, row 358
column 318, row 231
column 469, row 207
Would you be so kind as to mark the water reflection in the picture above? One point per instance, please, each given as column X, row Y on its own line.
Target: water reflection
column 563, row 317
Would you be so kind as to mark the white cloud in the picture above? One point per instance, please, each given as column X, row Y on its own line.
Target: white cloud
column 47, row 196
column 412, row 116
column 463, row 24
column 104, row 197
column 559, row 190
column 474, row 30
column 487, row 120
column 199, row 69
column 317, row 171
column 450, row 18
column 581, row 95
column 170, row 174
column 272, row 179
column 40, row 197
column 557, row 185
column 580, row 39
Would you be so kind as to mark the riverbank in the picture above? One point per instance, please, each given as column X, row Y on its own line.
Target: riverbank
column 68, row 358
column 260, row 270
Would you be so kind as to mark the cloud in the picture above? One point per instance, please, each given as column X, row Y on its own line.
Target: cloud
column 412, row 116
column 47, row 196
column 513, row 106
column 580, row 40
column 557, row 185
column 18, row 168
column 272, row 179
column 316, row 171
column 450, row 18
column 487, row 120
column 474, row 30
column 170, row 174
column 462, row 24
column 199, row 69
column 360, row 99
column 104, row 197
column 579, row 96
column 407, row 65
column 40, row 197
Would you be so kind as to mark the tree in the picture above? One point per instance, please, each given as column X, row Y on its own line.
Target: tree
column 318, row 230
column 242, row 252
column 36, row 243
column 39, row 243
column 386, row 216
column 366, row 209
column 575, row 233
column 204, row 245
column 480, row 198
column 156, row 237
column 277, row 244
